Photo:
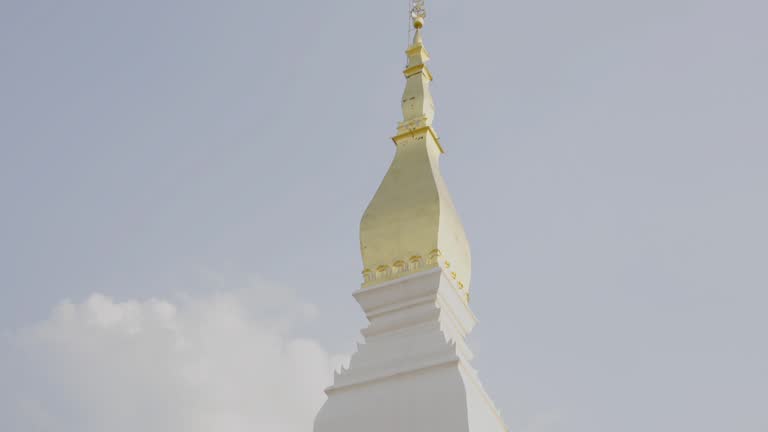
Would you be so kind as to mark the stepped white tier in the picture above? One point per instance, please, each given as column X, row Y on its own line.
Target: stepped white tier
column 412, row 374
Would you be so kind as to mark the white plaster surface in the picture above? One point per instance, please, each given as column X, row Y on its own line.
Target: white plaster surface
column 413, row 371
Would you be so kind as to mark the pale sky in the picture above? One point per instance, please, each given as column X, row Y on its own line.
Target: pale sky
column 181, row 185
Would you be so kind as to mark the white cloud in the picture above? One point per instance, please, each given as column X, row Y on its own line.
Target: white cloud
column 224, row 363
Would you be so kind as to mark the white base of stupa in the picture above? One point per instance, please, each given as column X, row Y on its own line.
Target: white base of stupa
column 412, row 374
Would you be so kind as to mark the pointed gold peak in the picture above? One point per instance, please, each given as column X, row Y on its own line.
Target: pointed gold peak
column 418, row 23
column 418, row 14
column 417, row 40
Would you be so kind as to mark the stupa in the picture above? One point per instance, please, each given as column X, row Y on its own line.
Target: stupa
column 413, row 372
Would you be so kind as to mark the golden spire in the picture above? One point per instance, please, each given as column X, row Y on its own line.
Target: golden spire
column 411, row 224
column 418, row 107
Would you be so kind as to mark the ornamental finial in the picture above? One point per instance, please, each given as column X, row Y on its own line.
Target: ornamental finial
column 418, row 13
